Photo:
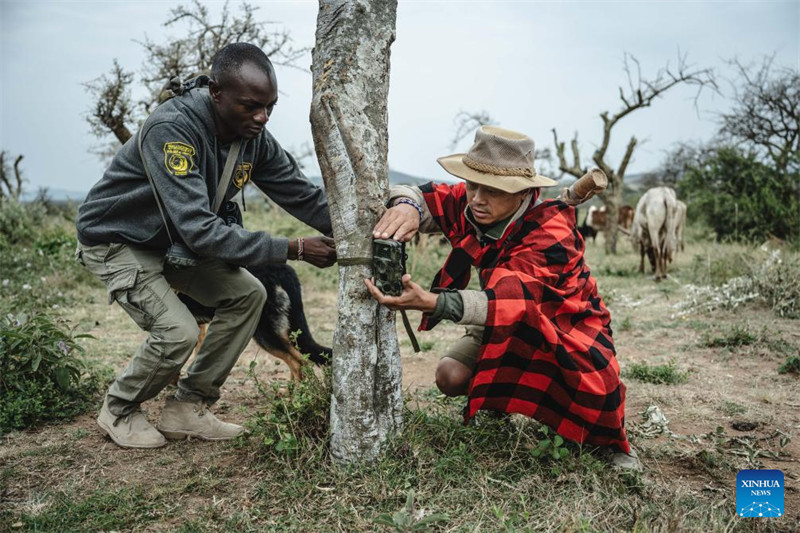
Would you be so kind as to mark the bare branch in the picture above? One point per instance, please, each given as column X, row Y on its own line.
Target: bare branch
column 112, row 111
column 467, row 123
column 13, row 190
column 623, row 166
column 766, row 112
column 563, row 166
column 186, row 57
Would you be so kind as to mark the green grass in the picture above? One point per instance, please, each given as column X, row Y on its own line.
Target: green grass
column 790, row 366
column 104, row 509
column 735, row 337
column 668, row 374
column 733, row 408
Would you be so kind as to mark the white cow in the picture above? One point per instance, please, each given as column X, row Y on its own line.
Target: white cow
column 653, row 231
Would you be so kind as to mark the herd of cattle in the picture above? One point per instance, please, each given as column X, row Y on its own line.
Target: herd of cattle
column 655, row 227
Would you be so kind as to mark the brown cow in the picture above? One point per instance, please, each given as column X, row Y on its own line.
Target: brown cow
column 653, row 231
column 596, row 218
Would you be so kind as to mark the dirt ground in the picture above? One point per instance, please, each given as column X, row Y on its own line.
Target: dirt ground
column 726, row 387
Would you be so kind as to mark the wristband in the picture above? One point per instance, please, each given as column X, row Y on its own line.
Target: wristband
column 412, row 203
column 300, row 249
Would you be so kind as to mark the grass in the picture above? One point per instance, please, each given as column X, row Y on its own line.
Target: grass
column 735, row 337
column 485, row 477
column 667, row 374
column 790, row 366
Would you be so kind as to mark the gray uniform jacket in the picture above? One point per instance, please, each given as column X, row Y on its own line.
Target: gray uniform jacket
column 186, row 161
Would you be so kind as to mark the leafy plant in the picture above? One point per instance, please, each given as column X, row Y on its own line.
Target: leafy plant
column 737, row 336
column 298, row 417
column 41, row 376
column 550, row 444
column 408, row 518
column 19, row 222
column 790, row 366
column 657, row 374
column 742, row 198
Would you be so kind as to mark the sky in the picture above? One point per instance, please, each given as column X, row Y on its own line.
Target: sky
column 533, row 66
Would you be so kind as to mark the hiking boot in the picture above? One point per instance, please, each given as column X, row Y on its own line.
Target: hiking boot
column 180, row 420
column 129, row 431
column 626, row 461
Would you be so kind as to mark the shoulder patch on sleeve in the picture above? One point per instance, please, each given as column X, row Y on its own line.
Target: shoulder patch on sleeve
column 178, row 158
column 242, row 174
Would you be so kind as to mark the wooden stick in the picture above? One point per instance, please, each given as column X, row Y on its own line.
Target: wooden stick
column 588, row 185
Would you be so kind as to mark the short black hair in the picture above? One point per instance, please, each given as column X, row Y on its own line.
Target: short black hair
column 230, row 58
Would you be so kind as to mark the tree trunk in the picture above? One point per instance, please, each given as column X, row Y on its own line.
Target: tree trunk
column 349, row 123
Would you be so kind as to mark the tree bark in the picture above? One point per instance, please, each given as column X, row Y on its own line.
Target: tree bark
column 349, row 124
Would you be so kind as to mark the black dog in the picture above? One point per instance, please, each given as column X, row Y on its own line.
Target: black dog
column 282, row 314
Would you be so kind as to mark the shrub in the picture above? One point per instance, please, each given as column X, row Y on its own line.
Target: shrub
column 720, row 264
column 297, row 419
column 20, row 222
column 742, row 198
column 41, row 376
column 737, row 336
column 773, row 280
column 790, row 366
column 657, row 374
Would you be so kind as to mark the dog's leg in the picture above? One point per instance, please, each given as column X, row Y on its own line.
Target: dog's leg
column 200, row 338
column 294, row 361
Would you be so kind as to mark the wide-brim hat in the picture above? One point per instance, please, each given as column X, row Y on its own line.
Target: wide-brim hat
column 499, row 158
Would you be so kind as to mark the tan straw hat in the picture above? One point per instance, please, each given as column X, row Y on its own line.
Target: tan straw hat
column 499, row 158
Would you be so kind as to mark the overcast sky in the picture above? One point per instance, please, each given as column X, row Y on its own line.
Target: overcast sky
column 533, row 66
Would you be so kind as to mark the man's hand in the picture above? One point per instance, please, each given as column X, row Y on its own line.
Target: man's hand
column 400, row 223
column 319, row 251
column 413, row 297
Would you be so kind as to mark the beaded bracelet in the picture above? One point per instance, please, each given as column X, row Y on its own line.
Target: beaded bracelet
column 300, row 249
column 412, row 203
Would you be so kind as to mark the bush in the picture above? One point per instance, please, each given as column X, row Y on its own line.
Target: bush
column 720, row 264
column 790, row 366
column 742, row 198
column 20, row 222
column 41, row 376
column 657, row 374
column 736, row 337
column 773, row 279
column 297, row 421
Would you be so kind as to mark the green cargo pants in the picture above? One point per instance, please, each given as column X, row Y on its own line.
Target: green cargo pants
column 139, row 281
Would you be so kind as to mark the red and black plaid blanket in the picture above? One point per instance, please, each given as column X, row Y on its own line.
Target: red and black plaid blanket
column 547, row 349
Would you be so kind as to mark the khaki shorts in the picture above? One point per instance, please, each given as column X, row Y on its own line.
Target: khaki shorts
column 466, row 349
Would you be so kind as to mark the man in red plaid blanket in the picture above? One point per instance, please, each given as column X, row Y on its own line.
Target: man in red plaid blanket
column 538, row 336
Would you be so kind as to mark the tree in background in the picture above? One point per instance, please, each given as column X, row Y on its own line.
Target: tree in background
column 8, row 188
column 741, row 197
column 745, row 183
column 640, row 94
column 350, row 128
column 765, row 115
column 115, row 113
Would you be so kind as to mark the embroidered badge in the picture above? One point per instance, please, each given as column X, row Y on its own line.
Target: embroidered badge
column 242, row 174
column 178, row 158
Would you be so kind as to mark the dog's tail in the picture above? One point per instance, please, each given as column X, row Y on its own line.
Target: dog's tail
column 317, row 353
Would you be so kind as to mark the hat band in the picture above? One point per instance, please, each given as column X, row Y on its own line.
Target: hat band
column 498, row 171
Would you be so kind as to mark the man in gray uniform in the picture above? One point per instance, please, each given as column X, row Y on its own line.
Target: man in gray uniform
column 123, row 241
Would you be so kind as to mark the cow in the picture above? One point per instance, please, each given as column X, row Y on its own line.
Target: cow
column 653, row 231
column 680, row 224
column 596, row 220
column 585, row 229
column 625, row 217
